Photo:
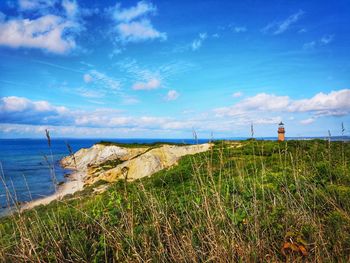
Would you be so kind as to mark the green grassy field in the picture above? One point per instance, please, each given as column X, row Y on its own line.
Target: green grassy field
column 249, row 201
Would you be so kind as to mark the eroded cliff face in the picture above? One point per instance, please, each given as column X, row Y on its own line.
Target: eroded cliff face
column 98, row 154
column 111, row 163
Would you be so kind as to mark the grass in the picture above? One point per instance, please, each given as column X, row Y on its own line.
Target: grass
column 251, row 201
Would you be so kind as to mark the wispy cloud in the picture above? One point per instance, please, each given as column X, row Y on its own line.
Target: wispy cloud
column 197, row 43
column 144, row 79
column 309, row 45
column 151, row 84
column 58, row 66
column 84, row 92
column 239, row 29
column 29, row 5
column 142, row 8
column 137, row 31
column 172, row 95
column 133, row 24
column 307, row 121
column 277, row 28
column 102, row 79
column 115, row 52
column 323, row 41
column 98, row 85
column 237, row 94
column 151, row 77
column 87, row 78
column 71, row 7
column 327, row 39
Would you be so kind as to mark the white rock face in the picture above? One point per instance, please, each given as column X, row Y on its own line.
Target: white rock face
column 139, row 162
column 98, row 154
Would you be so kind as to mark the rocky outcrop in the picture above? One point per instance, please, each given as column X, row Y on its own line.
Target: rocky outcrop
column 111, row 163
column 98, row 154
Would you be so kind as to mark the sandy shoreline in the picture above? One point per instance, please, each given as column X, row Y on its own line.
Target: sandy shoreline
column 74, row 183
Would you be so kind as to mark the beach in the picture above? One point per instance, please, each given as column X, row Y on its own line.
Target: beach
column 74, row 183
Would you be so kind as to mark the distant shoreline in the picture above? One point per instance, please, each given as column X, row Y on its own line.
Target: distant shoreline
column 190, row 140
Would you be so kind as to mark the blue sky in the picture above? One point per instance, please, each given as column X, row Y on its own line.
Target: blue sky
column 163, row 68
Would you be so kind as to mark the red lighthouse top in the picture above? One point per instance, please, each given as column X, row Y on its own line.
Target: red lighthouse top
column 281, row 128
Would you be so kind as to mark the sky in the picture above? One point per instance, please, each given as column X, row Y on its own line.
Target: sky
column 163, row 69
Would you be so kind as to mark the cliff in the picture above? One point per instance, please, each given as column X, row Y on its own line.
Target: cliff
column 111, row 162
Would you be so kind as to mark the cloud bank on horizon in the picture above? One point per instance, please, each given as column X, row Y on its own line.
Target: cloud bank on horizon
column 161, row 69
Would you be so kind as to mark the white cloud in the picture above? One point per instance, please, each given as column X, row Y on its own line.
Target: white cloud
column 264, row 102
column 137, row 31
column 203, row 35
column 50, row 32
column 71, row 7
column 19, row 110
column 141, row 9
column 101, row 119
column 309, row 45
column 307, row 121
column 22, row 110
column 88, row 78
column 115, row 52
column 25, row 5
column 267, row 120
column 151, row 84
column 18, row 114
column 133, row 24
column 197, row 43
column 172, row 95
column 335, row 103
column 282, row 26
column 237, row 94
column 325, row 40
column 240, row 29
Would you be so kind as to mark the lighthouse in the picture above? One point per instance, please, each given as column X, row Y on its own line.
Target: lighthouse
column 281, row 132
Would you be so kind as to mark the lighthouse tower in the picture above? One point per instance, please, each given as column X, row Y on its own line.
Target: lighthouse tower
column 281, row 132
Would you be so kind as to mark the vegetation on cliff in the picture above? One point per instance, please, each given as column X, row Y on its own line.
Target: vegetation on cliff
column 250, row 201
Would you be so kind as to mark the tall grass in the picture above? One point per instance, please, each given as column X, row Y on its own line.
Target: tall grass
column 251, row 201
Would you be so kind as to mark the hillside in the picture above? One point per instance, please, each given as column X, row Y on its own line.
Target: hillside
column 249, row 201
column 113, row 162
